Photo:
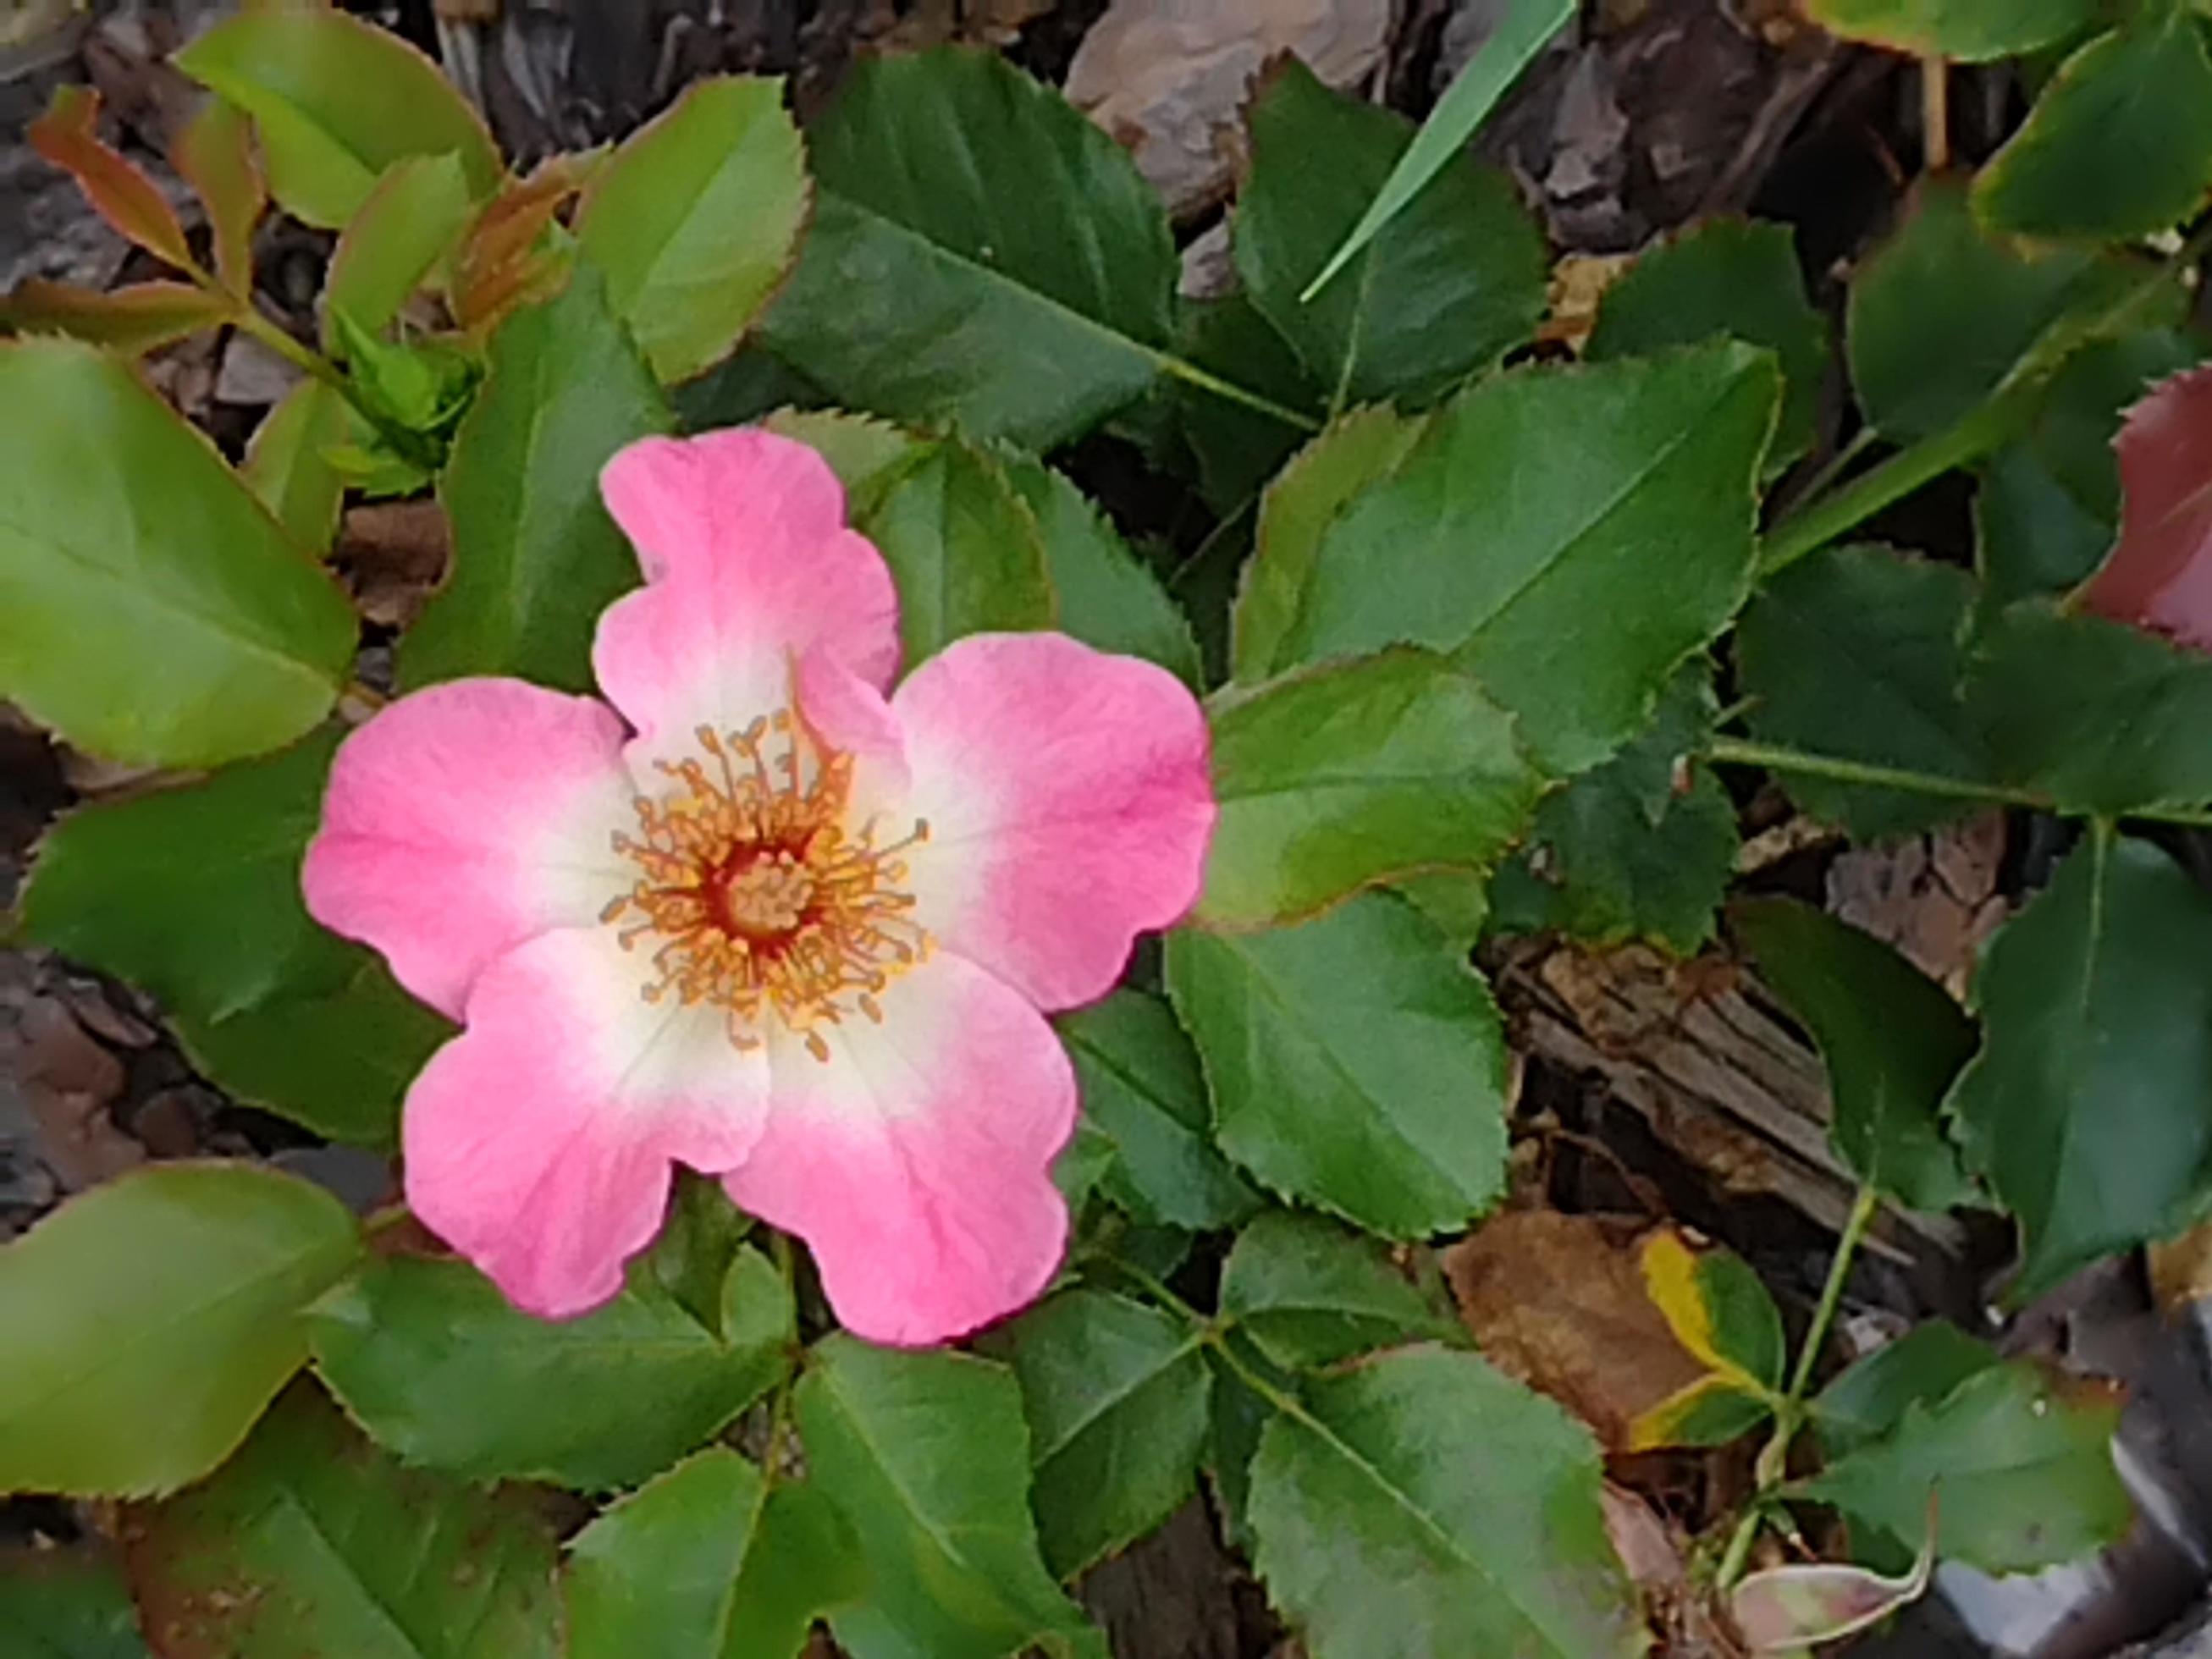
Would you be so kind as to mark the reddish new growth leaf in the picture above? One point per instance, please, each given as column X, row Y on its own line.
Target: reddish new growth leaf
column 125, row 196
column 2159, row 575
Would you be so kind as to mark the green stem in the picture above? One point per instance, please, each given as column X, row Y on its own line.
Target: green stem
column 1191, row 374
column 1827, row 518
column 1790, row 1411
column 1733, row 751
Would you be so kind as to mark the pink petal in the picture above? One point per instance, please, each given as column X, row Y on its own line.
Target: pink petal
column 463, row 819
column 2159, row 575
column 1068, row 802
column 748, row 567
column 539, row 1142
column 915, row 1160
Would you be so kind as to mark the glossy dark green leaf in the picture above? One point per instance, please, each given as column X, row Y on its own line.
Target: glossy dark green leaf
column 964, row 549
column 149, row 609
column 1355, row 1062
column 1237, row 449
column 338, row 1060
column 1854, row 653
column 2094, row 715
column 151, row 1320
column 712, row 1560
column 1117, row 1397
column 2085, row 1109
column 981, row 252
column 193, row 893
column 1311, row 1293
column 696, row 219
column 1891, row 1038
column 1941, row 312
column 1569, row 535
column 1107, row 596
column 1145, row 1095
column 1870, row 1397
column 438, row 1365
column 926, row 1456
column 1971, row 30
column 1426, row 1505
column 1641, row 847
column 2119, row 143
column 311, row 1541
column 1349, row 775
column 407, row 226
column 1444, row 290
column 1300, row 504
column 536, row 557
column 67, row 1604
column 1730, row 279
column 335, row 101
column 2049, row 504
column 2021, row 1463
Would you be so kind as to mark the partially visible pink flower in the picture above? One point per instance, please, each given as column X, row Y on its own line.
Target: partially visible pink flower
column 777, row 927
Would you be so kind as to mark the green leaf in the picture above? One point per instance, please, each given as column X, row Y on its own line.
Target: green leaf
column 1424, row 1505
column 1506, row 51
column 1570, row 592
column 1145, row 1094
column 337, row 1060
column 2084, row 1111
column 150, row 610
column 287, row 467
column 2119, row 145
column 1108, row 597
column 1351, row 774
column 2095, row 716
column 964, row 549
column 1892, row 1039
column 2021, row 1464
column 193, row 893
column 67, row 1604
column 1728, row 278
column 335, row 101
column 925, row 1456
column 1354, row 1063
column 1301, row 503
column 1117, row 1397
column 696, row 219
column 1449, row 286
column 132, row 320
column 431, row 1358
column 2049, row 505
column 980, row 253
column 536, row 557
column 310, row 1541
column 1310, row 1293
column 1626, row 850
column 1889, row 628
column 151, row 1320
column 1940, row 312
column 712, row 1560
column 1969, row 31
column 1870, row 1397
column 1237, row 448
column 403, row 232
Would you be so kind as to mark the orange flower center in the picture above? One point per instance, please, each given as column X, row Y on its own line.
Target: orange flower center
column 758, row 895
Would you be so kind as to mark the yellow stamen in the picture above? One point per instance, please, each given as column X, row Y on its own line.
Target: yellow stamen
column 760, row 898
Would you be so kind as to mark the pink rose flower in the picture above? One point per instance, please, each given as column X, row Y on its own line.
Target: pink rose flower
column 778, row 927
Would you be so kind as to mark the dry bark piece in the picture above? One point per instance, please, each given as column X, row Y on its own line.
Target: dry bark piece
column 1934, row 898
column 397, row 552
column 1168, row 78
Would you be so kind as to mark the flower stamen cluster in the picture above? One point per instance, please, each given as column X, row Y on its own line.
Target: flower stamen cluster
column 762, row 898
